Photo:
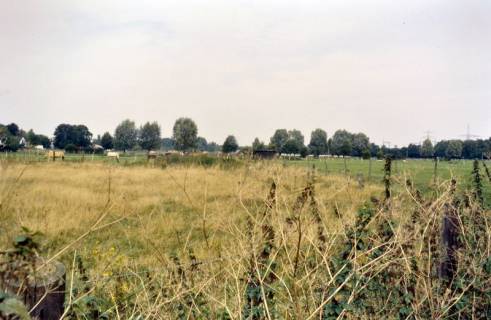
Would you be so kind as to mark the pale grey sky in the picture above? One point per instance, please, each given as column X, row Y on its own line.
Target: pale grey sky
column 391, row 69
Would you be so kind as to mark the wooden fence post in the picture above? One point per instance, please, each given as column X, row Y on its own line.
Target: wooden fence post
column 45, row 294
column 435, row 170
column 450, row 243
column 369, row 168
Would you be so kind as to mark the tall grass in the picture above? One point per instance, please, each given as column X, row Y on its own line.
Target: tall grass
column 258, row 241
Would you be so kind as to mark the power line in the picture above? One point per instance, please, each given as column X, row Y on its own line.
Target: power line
column 468, row 135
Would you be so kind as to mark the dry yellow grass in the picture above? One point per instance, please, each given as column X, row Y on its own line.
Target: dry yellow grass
column 198, row 243
column 155, row 209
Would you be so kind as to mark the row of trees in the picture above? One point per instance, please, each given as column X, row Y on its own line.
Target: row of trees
column 148, row 137
column 342, row 143
column 128, row 136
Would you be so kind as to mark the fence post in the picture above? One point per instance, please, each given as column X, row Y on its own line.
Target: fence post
column 387, row 173
column 435, row 170
column 450, row 244
column 369, row 168
column 45, row 294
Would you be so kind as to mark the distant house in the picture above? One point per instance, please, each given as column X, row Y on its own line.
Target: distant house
column 22, row 142
column 264, row 154
column 39, row 147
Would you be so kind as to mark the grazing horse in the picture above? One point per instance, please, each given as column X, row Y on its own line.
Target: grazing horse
column 152, row 155
column 52, row 154
column 112, row 154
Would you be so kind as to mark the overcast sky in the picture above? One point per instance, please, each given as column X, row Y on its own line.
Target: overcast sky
column 391, row 69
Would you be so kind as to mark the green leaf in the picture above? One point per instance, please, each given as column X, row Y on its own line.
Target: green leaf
column 20, row 239
column 13, row 307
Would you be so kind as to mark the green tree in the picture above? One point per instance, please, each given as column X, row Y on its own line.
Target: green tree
column 44, row 141
column 125, row 135
column 185, row 134
column 342, row 143
column 440, row 149
column 361, row 142
column 413, row 151
column 230, row 145
column 37, row 139
column 297, row 136
column 278, row 139
column 107, row 141
column 427, row 149
column 258, row 145
column 471, row 150
column 213, row 147
column 13, row 129
column 32, row 138
column 454, row 149
column 149, row 136
column 168, row 144
column 374, row 150
column 292, row 146
column 318, row 142
column 76, row 135
column 202, row 144
column 8, row 141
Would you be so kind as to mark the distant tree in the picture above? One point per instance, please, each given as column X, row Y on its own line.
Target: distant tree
column 83, row 136
column 374, row 150
column 125, row 135
column 44, row 141
column 77, row 135
column 483, row 148
column 297, row 136
column 8, row 141
column 64, row 135
column 37, row 139
column 318, row 142
column 185, row 134
column 427, row 150
column 32, row 138
column 258, row 145
column 292, row 146
column 361, row 142
column 454, row 149
column 471, row 150
column 230, row 145
column 440, row 149
column 168, row 144
column 342, row 143
column 278, row 139
column 107, row 141
column 413, row 151
column 213, row 147
column 70, row 147
column 13, row 129
column 202, row 144
column 149, row 136
column 365, row 154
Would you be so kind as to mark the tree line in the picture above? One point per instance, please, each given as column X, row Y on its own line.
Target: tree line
column 127, row 136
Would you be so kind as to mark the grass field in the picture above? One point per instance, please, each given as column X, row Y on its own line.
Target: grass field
column 153, row 207
column 420, row 171
column 187, row 241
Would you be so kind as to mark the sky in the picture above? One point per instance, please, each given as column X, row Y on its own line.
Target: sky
column 390, row 69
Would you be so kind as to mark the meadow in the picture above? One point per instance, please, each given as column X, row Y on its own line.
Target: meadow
column 249, row 239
